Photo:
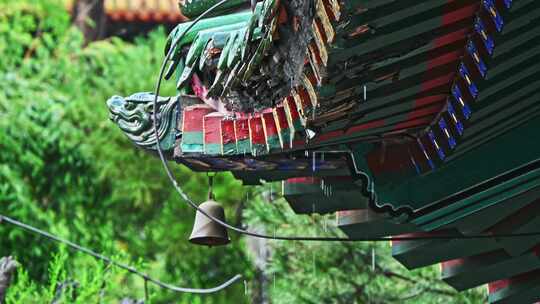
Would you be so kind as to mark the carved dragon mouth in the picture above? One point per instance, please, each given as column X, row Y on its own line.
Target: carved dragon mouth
column 134, row 121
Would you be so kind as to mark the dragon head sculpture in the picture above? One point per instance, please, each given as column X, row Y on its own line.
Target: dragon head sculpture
column 134, row 116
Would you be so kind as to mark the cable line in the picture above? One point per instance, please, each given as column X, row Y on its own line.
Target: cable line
column 110, row 261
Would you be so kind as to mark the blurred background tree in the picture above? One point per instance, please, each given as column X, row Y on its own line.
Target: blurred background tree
column 89, row 17
column 66, row 169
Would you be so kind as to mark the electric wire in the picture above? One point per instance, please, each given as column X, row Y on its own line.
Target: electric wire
column 110, row 261
column 190, row 202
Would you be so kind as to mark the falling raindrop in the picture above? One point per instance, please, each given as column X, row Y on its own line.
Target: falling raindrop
column 373, row 258
column 314, row 165
column 365, row 93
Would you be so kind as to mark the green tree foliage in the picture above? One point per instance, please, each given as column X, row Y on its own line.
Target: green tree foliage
column 66, row 169
column 341, row 272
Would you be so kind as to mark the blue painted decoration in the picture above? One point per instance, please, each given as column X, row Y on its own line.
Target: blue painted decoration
column 444, row 128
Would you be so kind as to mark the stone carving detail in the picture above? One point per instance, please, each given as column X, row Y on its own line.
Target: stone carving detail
column 134, row 116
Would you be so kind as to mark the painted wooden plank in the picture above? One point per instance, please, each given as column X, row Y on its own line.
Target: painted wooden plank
column 416, row 254
column 256, row 135
column 285, row 132
column 228, row 137
column 213, row 140
column 271, row 133
column 243, row 142
column 523, row 288
column 192, row 128
column 466, row 273
column 367, row 223
column 314, row 194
